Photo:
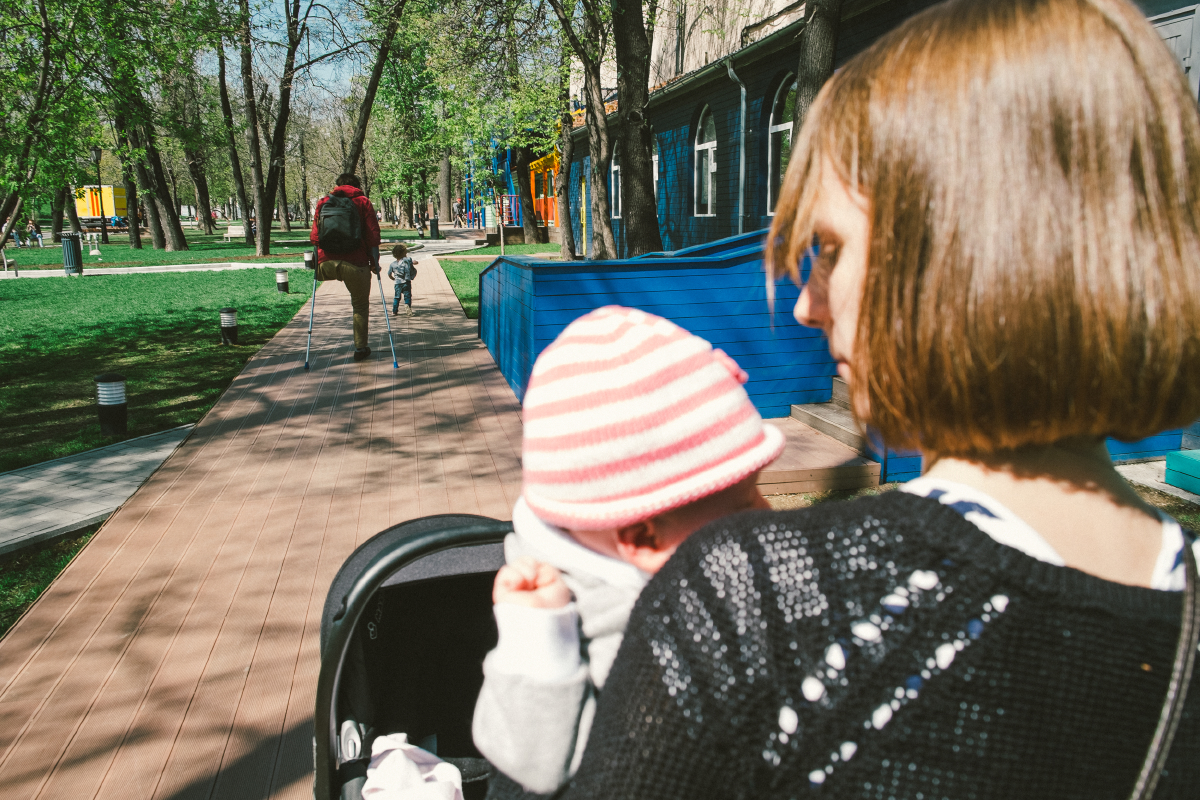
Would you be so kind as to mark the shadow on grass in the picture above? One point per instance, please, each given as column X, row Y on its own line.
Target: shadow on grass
column 172, row 358
column 25, row 574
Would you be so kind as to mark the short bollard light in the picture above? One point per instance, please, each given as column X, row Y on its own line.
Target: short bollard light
column 229, row 326
column 110, row 404
column 281, row 280
column 310, row 261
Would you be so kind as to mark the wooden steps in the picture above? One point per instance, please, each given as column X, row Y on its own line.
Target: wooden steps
column 815, row 462
column 833, row 418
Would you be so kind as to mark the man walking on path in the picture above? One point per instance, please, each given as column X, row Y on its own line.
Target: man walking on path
column 355, row 256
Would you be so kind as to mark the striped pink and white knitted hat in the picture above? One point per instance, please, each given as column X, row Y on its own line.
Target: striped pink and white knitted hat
column 627, row 415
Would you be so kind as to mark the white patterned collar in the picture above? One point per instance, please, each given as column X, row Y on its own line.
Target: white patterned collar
column 997, row 521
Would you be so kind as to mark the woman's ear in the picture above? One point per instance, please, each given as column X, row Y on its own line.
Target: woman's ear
column 640, row 544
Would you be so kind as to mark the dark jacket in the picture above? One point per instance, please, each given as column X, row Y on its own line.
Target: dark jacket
column 884, row 648
column 361, row 256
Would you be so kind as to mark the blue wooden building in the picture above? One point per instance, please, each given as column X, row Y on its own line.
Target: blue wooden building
column 717, row 178
column 700, row 133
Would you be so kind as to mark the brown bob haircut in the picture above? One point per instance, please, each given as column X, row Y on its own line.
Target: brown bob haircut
column 1031, row 170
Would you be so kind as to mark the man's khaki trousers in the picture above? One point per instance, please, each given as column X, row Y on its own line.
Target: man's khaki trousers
column 358, row 283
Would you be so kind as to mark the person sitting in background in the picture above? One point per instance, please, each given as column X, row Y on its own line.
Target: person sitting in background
column 1017, row 623
column 33, row 231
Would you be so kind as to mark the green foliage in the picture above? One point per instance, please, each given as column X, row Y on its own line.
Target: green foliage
column 161, row 331
column 25, row 574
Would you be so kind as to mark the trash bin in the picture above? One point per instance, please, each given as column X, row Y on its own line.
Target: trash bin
column 433, row 228
column 72, row 245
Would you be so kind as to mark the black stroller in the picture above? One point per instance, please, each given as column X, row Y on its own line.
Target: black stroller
column 406, row 625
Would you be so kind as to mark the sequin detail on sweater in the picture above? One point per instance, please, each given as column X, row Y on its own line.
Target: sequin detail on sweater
column 884, row 648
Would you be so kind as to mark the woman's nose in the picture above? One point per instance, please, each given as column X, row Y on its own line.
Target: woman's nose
column 811, row 310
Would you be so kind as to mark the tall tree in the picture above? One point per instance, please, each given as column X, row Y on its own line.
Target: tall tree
column 522, row 157
column 445, row 201
column 391, row 23
column 235, row 162
column 131, row 194
column 586, row 25
column 562, row 179
column 818, row 43
column 633, row 36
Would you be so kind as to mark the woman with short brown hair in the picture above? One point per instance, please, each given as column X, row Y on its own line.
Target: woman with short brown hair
column 1004, row 198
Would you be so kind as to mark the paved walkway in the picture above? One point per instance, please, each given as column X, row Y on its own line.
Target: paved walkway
column 65, row 495
column 176, row 657
column 1153, row 474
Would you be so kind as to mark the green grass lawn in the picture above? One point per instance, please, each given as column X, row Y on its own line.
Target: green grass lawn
column 285, row 246
column 515, row 249
column 25, row 574
column 161, row 331
column 464, row 279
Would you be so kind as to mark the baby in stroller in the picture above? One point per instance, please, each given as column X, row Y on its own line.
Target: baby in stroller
column 637, row 434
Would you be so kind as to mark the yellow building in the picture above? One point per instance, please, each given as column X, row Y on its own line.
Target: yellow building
column 87, row 201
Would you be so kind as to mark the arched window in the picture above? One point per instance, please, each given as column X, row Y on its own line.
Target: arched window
column 614, row 186
column 706, row 163
column 779, row 139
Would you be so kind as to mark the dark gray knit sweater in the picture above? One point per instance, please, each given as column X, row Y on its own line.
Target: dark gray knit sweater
column 884, row 648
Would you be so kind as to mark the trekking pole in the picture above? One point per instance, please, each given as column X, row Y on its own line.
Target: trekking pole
column 383, row 299
column 312, row 306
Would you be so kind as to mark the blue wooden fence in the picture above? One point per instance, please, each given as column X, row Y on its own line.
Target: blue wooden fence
column 715, row 290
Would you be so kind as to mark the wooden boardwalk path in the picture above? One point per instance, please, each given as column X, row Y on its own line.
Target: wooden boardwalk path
column 177, row 656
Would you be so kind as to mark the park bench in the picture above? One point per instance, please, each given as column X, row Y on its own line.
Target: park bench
column 235, row 232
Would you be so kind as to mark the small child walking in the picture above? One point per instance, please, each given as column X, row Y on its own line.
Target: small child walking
column 402, row 272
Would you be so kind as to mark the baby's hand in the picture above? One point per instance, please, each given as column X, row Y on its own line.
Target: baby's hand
column 531, row 583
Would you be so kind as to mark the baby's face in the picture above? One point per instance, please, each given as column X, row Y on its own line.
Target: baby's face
column 649, row 544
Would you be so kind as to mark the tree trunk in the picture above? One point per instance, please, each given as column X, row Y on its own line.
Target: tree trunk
column 200, row 181
column 604, row 246
column 445, row 201
column 304, row 183
column 262, row 244
column 11, row 219
column 522, row 157
column 131, row 210
column 818, row 43
column 235, row 162
column 131, row 196
column 350, row 164
column 639, row 209
column 72, row 212
column 284, row 222
column 148, row 191
column 562, row 182
column 167, row 211
column 405, row 210
column 57, row 209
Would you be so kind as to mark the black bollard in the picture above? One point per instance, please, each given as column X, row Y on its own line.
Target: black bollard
column 281, row 280
column 110, row 404
column 229, row 326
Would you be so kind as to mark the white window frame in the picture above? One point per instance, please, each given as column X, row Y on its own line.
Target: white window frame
column 711, row 149
column 772, row 129
column 614, row 186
